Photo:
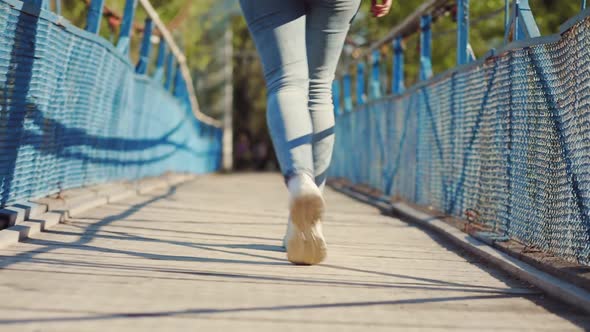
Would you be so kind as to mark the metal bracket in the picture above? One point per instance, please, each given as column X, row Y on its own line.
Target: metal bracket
column 397, row 85
column 490, row 237
column 126, row 26
column 169, row 71
column 522, row 24
column 146, row 47
column 464, row 51
column 360, row 83
column 375, row 77
column 425, row 47
column 336, row 97
column 347, row 86
column 94, row 16
column 159, row 73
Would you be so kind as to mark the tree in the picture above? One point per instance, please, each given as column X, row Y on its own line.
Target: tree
column 199, row 25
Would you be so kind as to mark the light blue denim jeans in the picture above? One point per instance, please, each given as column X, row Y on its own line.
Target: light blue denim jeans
column 299, row 42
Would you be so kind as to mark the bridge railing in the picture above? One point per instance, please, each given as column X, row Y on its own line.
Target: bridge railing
column 503, row 140
column 75, row 110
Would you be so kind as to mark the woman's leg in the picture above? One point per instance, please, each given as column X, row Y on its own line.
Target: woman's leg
column 328, row 22
column 278, row 29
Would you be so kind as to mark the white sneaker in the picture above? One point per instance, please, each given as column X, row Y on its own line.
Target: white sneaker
column 304, row 240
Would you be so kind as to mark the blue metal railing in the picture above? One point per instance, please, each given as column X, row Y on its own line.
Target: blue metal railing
column 504, row 137
column 75, row 111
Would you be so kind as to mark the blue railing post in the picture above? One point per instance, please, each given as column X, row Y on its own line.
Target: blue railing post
column 397, row 85
column 518, row 35
column 583, row 4
column 375, row 79
column 463, row 32
column 94, row 16
column 347, row 87
column 526, row 20
column 159, row 73
column 360, row 83
column 126, row 26
column 58, row 7
column 146, row 47
column 529, row 21
column 43, row 4
column 425, row 47
column 506, row 16
column 336, row 97
column 178, row 82
column 169, row 70
column 522, row 23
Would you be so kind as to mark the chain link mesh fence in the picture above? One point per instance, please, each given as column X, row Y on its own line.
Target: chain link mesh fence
column 73, row 112
column 507, row 138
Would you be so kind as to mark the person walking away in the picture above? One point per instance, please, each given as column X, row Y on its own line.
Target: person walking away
column 299, row 43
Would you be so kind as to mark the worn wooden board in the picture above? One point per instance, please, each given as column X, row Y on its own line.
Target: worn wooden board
column 206, row 256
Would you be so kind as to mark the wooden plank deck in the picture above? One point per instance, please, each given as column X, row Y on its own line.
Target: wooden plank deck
column 206, row 256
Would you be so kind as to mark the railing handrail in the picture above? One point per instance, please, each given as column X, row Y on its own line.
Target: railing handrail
column 519, row 26
column 96, row 8
column 408, row 26
column 144, row 125
column 181, row 58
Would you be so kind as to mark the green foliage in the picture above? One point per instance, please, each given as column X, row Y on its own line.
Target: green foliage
column 487, row 29
column 487, row 32
column 192, row 26
column 199, row 26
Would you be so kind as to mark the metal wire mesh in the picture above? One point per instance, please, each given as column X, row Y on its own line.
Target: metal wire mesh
column 508, row 138
column 73, row 112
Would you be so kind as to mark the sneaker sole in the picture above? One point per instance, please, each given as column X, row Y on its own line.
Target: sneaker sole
column 307, row 245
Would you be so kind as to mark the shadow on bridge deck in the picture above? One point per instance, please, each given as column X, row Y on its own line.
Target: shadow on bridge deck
column 206, row 255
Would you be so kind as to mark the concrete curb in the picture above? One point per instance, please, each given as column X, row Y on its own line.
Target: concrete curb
column 23, row 220
column 555, row 287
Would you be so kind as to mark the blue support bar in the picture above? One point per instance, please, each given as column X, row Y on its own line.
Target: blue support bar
column 146, row 47
column 159, row 73
column 58, row 7
column 94, row 16
column 463, row 52
column 583, row 4
column 178, row 82
column 43, row 4
column 360, row 83
column 506, row 16
column 336, row 97
column 397, row 85
column 375, row 74
column 126, row 26
column 527, row 20
column 425, row 47
column 522, row 23
column 347, row 87
column 169, row 70
column 517, row 32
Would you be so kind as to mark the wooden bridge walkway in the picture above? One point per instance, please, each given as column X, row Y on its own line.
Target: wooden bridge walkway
column 206, row 255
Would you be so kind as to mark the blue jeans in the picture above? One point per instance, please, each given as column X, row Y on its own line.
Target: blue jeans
column 299, row 42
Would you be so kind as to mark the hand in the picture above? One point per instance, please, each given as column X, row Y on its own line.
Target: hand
column 380, row 8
